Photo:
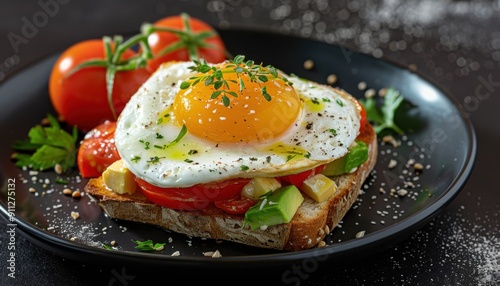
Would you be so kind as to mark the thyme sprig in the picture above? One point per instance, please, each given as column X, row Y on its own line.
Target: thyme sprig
column 214, row 76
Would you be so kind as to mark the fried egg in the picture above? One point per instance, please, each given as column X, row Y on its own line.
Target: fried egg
column 171, row 135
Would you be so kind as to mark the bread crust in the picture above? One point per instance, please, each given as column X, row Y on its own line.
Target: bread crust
column 310, row 224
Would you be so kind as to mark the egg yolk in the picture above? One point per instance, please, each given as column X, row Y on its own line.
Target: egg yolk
column 249, row 116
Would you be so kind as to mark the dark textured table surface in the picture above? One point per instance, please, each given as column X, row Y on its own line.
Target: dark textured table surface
column 456, row 43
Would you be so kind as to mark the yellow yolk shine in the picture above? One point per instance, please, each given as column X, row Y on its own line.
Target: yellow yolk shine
column 249, row 117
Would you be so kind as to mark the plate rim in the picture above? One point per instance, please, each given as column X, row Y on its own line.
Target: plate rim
column 382, row 236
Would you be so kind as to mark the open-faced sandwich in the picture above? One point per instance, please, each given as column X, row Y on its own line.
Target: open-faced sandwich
column 238, row 151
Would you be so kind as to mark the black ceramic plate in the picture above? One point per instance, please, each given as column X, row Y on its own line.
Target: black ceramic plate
column 438, row 136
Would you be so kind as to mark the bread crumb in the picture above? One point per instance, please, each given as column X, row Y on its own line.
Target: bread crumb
column 75, row 215
column 402, row 192
column 216, row 254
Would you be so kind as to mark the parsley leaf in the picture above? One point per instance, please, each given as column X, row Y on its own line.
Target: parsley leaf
column 47, row 147
column 148, row 245
column 382, row 116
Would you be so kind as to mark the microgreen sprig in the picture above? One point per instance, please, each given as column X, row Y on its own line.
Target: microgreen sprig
column 214, row 76
column 148, row 245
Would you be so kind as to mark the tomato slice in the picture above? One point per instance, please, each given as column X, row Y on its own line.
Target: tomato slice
column 299, row 178
column 97, row 150
column 170, row 201
column 295, row 179
column 362, row 112
column 238, row 205
column 196, row 197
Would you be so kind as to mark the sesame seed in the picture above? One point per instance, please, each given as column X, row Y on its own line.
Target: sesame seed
column 76, row 194
column 360, row 234
column 362, row 85
column 370, row 93
column 58, row 169
column 331, row 79
column 67, row 191
column 392, row 164
column 418, row 167
column 382, row 92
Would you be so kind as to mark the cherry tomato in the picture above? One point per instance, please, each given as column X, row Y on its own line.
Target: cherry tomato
column 192, row 36
column 196, row 197
column 81, row 97
column 299, row 178
column 97, row 150
column 238, row 205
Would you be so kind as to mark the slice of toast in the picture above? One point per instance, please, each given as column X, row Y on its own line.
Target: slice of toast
column 310, row 224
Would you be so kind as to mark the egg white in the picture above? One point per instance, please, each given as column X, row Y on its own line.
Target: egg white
column 146, row 136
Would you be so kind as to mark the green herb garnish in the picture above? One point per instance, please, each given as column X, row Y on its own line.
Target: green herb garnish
column 383, row 117
column 214, row 76
column 244, row 168
column 146, row 144
column 47, row 147
column 107, row 247
column 154, row 160
column 181, row 134
column 61, row 181
column 148, row 245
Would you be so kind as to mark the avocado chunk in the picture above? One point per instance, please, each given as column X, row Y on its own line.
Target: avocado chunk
column 275, row 208
column 358, row 154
